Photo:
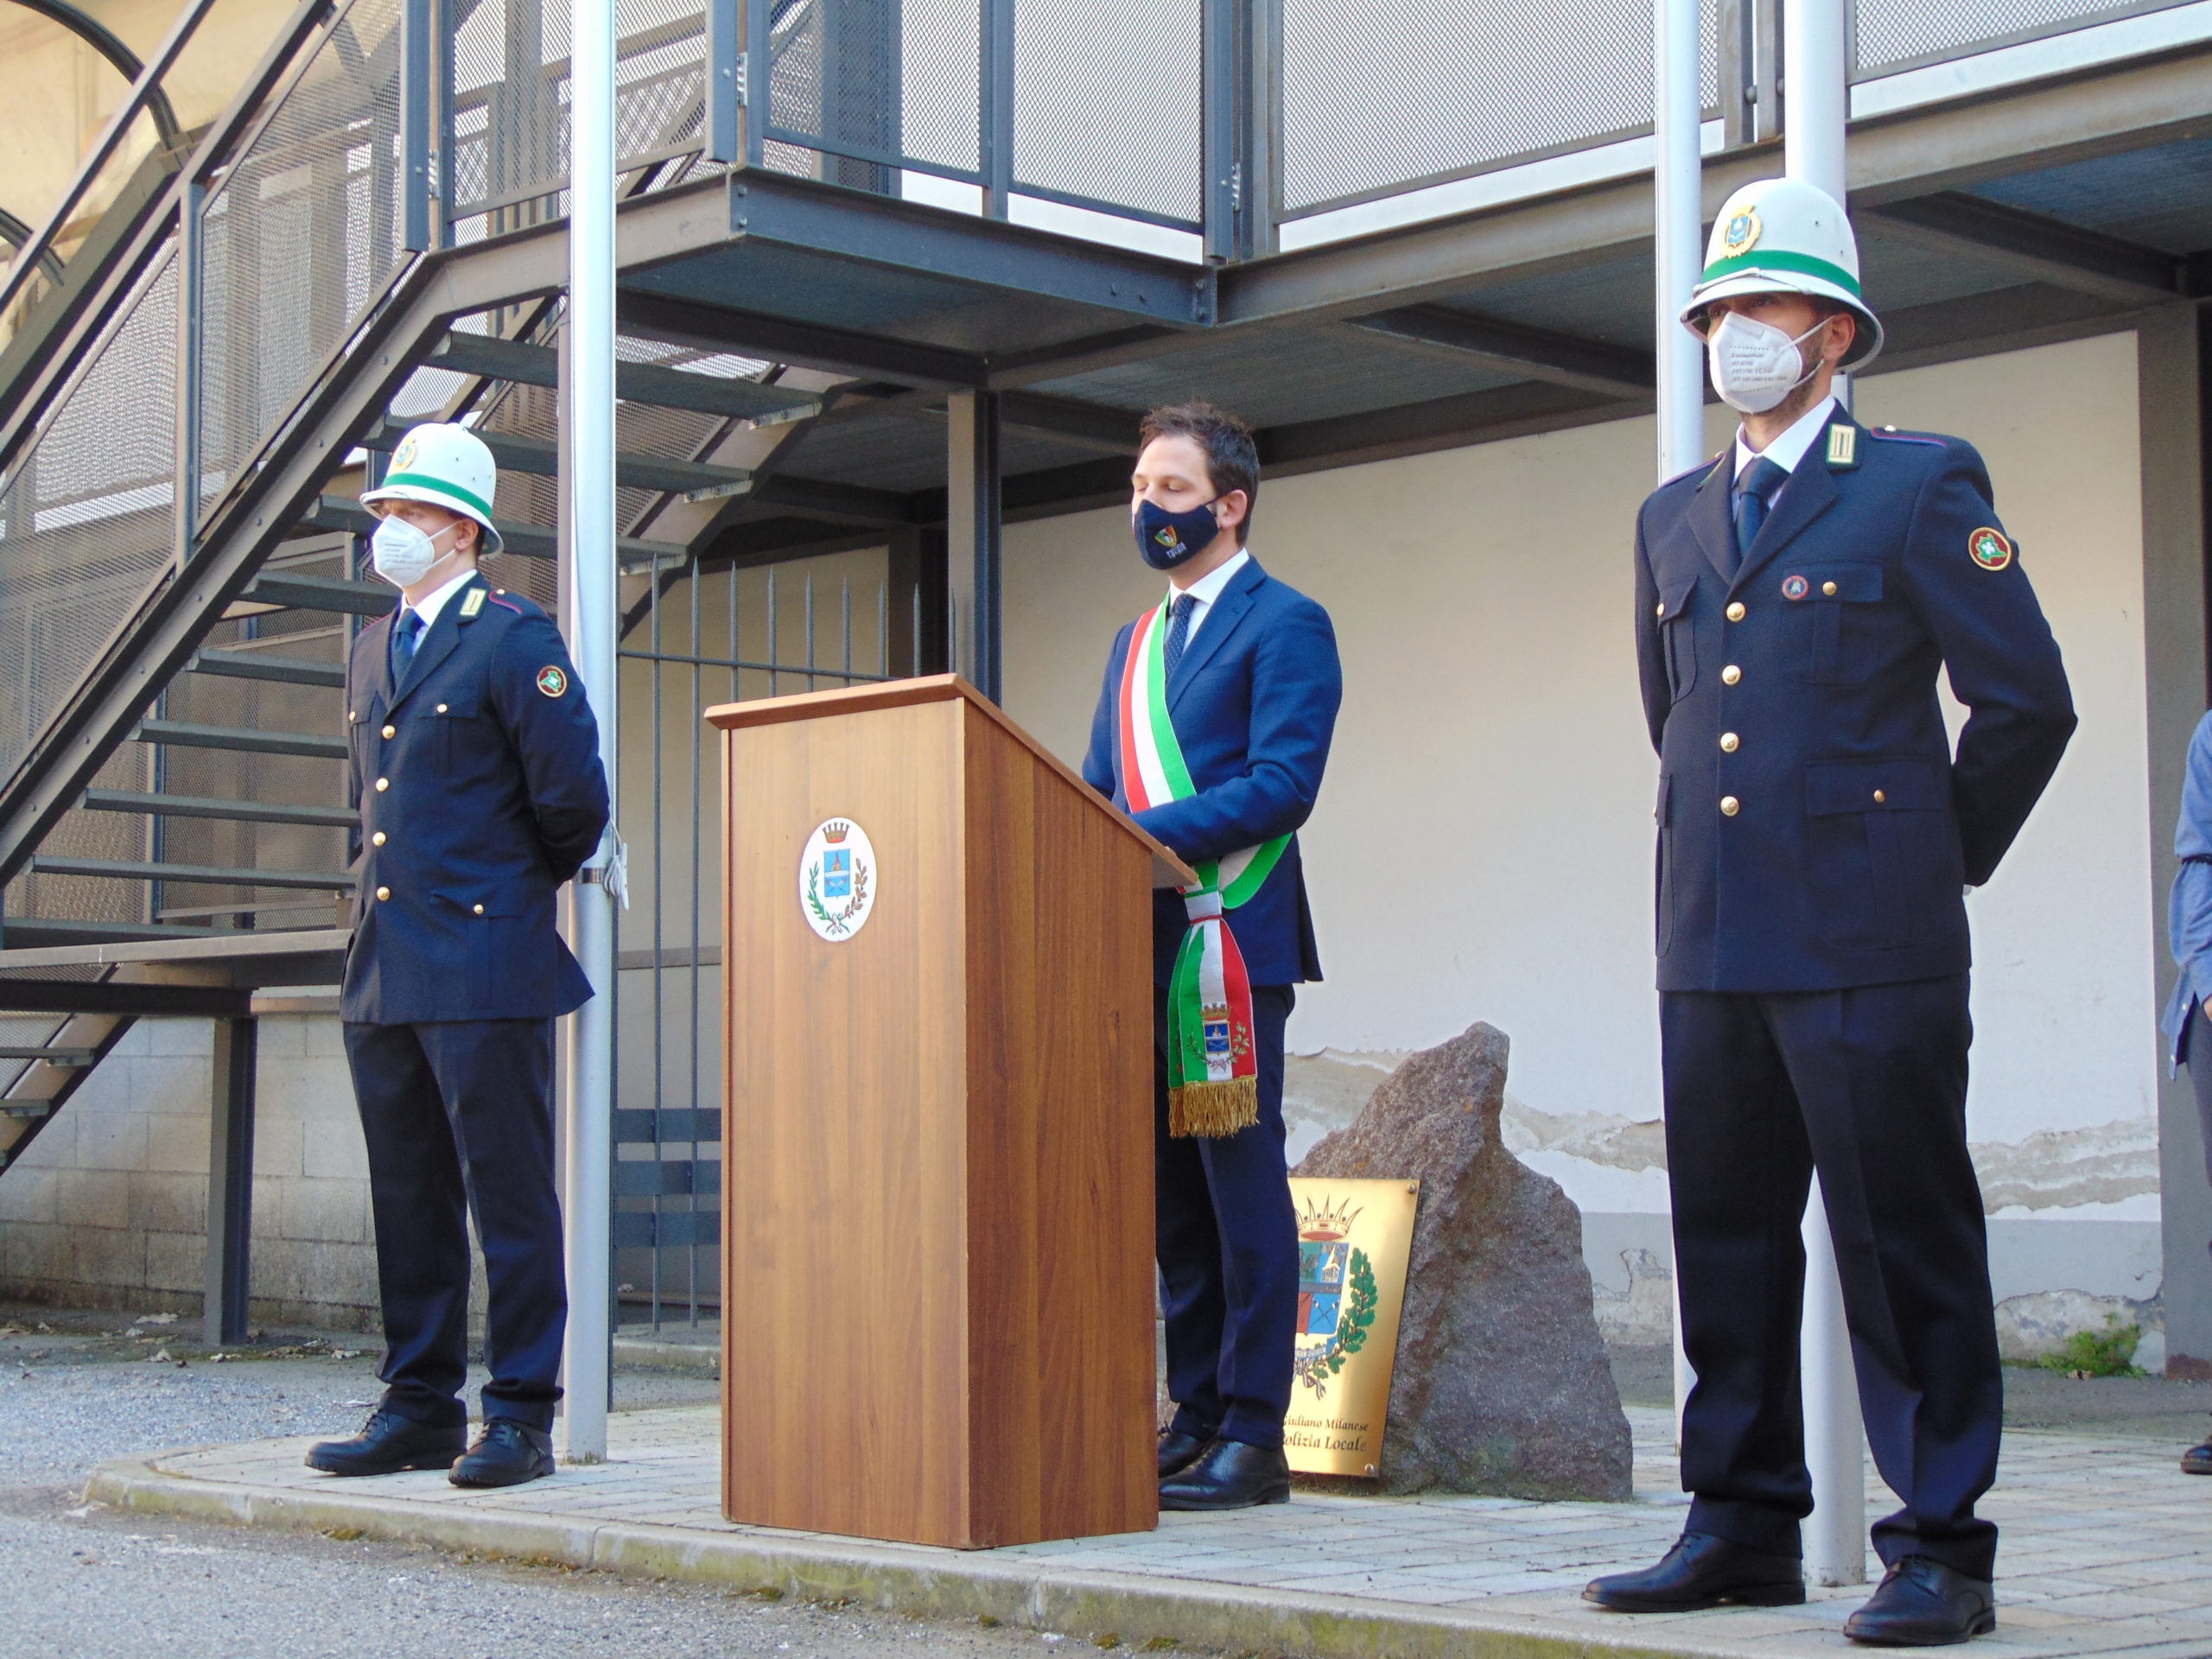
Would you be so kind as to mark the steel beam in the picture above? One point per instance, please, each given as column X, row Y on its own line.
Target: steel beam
column 230, row 1180
column 493, row 358
column 107, row 996
column 1512, row 348
column 678, row 322
column 2034, row 247
column 542, row 460
column 910, row 237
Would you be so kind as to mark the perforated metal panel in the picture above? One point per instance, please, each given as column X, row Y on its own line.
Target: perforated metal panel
column 1106, row 102
column 1392, row 97
column 303, row 228
column 1893, row 35
column 85, row 519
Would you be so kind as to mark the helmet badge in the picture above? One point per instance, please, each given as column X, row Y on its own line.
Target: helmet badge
column 403, row 457
column 1742, row 231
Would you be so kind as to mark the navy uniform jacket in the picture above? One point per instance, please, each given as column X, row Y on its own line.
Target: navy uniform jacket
column 1812, row 711
column 481, row 791
column 1254, row 702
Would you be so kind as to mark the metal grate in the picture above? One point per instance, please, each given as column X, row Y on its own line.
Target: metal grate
column 85, row 521
column 1106, row 102
column 1434, row 90
column 303, row 229
column 1889, row 36
column 723, row 637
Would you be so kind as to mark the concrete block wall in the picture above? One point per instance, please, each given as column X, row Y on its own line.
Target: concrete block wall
column 108, row 1208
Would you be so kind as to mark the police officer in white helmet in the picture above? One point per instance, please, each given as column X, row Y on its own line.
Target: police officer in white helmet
column 476, row 770
column 1797, row 600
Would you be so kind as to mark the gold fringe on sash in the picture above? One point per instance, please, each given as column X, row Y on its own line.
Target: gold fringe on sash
column 1213, row 1109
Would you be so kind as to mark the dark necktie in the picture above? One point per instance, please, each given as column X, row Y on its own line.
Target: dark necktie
column 1755, row 493
column 405, row 638
column 1178, row 630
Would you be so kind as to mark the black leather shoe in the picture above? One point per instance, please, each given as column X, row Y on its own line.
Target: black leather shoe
column 1179, row 1451
column 1703, row 1571
column 506, row 1453
column 1924, row 1604
column 2197, row 1460
column 1229, row 1475
column 389, row 1443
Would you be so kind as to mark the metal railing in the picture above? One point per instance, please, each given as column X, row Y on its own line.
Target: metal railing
column 723, row 637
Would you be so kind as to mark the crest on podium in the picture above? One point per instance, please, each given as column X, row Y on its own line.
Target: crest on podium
column 1354, row 1239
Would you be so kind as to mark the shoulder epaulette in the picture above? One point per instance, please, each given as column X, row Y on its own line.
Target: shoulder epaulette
column 501, row 599
column 1890, row 435
column 1693, row 471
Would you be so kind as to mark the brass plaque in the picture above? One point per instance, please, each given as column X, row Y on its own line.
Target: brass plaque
column 1353, row 1241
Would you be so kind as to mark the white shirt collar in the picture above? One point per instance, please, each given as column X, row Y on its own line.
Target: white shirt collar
column 432, row 603
column 1789, row 448
column 1207, row 589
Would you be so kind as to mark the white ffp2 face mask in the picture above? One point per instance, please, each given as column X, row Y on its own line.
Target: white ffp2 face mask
column 1755, row 365
column 402, row 554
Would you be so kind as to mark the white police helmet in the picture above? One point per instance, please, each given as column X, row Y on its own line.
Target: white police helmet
column 1784, row 236
column 447, row 466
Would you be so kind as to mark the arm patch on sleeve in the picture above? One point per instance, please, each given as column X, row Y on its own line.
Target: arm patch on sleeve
column 1990, row 548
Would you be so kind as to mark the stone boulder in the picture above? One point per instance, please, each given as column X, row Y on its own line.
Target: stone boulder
column 1501, row 1384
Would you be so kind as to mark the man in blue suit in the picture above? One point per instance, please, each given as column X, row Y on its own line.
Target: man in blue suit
column 1213, row 729
column 1795, row 602
column 476, row 770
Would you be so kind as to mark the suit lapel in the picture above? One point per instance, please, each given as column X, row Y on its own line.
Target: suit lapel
column 1810, row 491
column 1712, row 517
column 434, row 646
column 1221, row 618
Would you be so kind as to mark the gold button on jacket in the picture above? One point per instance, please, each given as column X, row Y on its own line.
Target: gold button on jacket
column 1729, row 741
column 1729, row 676
column 383, row 893
column 1735, row 610
column 1730, row 806
column 391, row 731
column 377, row 840
column 383, row 783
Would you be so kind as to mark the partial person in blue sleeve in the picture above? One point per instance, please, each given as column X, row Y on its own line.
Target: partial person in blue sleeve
column 2189, row 928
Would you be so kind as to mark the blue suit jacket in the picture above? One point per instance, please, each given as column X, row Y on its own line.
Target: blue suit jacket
column 1254, row 701
column 1813, row 711
column 481, row 791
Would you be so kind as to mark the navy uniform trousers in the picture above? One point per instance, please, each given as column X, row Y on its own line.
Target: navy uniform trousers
column 1227, row 1248
column 459, row 1119
column 1869, row 1086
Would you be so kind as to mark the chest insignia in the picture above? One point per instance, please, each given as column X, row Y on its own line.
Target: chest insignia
column 1843, row 447
column 1991, row 549
column 1795, row 587
column 552, row 682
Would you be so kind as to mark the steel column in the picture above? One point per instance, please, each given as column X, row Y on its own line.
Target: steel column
column 191, row 288
column 972, row 536
column 230, row 1179
column 1814, row 69
column 996, row 106
column 589, row 509
column 418, row 67
column 1218, row 156
column 1677, row 228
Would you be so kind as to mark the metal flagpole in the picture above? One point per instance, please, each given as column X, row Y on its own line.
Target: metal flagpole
column 1678, row 220
column 590, row 506
column 1814, row 114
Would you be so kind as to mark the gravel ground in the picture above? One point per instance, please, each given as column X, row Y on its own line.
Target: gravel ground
column 96, row 1584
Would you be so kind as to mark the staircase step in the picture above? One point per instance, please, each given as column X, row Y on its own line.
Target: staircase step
column 185, row 735
column 212, row 806
column 299, row 593
column 637, row 383
column 207, row 874
column 524, row 541
column 259, row 666
column 520, row 455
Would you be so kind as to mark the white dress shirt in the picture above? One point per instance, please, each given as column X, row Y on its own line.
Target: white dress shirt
column 432, row 603
column 1789, row 448
column 1207, row 589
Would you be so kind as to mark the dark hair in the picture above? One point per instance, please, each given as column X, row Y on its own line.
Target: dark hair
column 1232, row 459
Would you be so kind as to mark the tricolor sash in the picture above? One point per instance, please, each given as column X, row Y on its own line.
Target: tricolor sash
column 1213, row 1078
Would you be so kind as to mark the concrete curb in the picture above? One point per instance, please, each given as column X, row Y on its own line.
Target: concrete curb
column 944, row 1584
column 643, row 1354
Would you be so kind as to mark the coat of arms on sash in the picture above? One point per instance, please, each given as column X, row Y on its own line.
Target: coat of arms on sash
column 836, row 880
column 1354, row 1239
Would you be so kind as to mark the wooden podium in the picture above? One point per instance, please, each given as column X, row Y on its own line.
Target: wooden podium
column 937, row 1285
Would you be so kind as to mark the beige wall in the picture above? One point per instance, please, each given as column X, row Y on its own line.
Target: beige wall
column 1483, row 845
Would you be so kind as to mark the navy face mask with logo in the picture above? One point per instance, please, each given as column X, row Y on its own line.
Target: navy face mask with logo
column 1166, row 540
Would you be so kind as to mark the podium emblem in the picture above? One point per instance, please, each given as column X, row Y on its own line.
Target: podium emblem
column 836, row 880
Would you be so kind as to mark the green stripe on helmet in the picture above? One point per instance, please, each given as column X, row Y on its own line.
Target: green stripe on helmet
column 424, row 481
column 1777, row 259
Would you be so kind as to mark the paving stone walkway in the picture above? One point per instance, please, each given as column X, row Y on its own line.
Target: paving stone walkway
column 2107, row 1549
